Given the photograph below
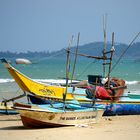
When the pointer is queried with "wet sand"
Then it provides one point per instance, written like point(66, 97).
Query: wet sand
point(109, 128)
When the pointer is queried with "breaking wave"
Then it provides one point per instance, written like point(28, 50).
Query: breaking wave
point(132, 82)
point(59, 81)
point(6, 80)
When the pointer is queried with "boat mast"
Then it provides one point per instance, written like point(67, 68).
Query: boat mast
point(67, 70)
point(104, 50)
point(111, 56)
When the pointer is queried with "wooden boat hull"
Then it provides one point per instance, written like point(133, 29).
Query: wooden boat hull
point(36, 117)
point(44, 119)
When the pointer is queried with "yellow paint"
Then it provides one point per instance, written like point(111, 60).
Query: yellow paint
point(44, 90)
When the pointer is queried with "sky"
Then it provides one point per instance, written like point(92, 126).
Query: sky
point(47, 25)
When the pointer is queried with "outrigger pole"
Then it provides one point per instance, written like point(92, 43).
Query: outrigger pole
point(90, 56)
point(14, 98)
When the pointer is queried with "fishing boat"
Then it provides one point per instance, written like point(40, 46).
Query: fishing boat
point(36, 88)
point(22, 61)
point(50, 115)
point(59, 114)
point(104, 88)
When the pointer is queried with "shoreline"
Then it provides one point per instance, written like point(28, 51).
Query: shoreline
point(114, 127)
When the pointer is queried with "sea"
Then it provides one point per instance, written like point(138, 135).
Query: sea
point(54, 68)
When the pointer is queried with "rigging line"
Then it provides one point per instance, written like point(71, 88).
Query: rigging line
point(125, 51)
point(75, 60)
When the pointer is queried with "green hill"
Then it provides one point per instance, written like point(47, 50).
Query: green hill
point(94, 49)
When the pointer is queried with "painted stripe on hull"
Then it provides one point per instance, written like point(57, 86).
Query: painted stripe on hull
point(8, 112)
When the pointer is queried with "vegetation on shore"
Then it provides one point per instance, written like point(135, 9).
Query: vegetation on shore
point(94, 48)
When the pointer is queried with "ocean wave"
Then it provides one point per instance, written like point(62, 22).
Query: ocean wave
point(132, 82)
point(6, 80)
point(57, 81)
point(60, 81)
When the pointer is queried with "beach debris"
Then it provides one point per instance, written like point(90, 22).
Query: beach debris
point(81, 125)
point(108, 119)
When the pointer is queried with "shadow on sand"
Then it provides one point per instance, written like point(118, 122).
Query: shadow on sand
point(23, 128)
point(13, 128)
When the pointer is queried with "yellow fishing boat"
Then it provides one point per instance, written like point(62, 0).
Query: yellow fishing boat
point(43, 90)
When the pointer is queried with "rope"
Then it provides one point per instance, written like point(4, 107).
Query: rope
point(130, 45)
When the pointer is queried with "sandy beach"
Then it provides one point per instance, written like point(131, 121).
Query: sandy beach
point(115, 127)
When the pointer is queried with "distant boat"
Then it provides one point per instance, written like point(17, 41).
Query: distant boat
point(22, 61)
